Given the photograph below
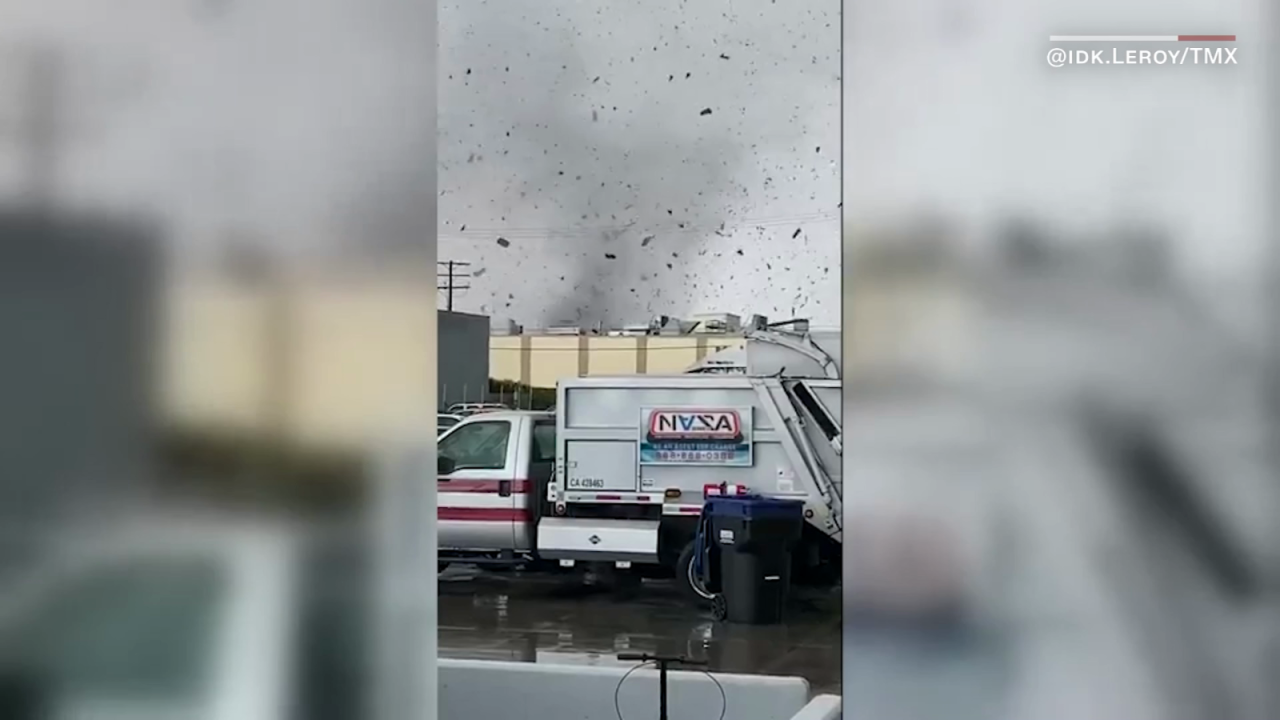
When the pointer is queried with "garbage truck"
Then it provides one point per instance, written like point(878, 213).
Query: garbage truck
point(615, 479)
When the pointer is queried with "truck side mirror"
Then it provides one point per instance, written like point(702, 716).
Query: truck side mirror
point(445, 465)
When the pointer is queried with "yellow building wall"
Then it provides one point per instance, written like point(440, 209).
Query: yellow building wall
point(672, 355)
point(918, 324)
point(364, 355)
point(336, 363)
point(541, 360)
point(553, 357)
point(325, 362)
point(615, 355)
point(212, 359)
point(504, 357)
point(310, 360)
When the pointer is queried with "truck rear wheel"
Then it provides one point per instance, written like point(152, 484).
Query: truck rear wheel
point(686, 579)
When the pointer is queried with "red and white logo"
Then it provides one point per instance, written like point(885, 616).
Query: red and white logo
point(722, 425)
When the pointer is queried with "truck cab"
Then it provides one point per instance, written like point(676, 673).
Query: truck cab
point(493, 470)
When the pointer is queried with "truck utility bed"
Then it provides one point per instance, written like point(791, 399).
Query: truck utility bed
point(669, 439)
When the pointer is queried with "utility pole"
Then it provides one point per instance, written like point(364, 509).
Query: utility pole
point(48, 105)
point(39, 131)
point(449, 277)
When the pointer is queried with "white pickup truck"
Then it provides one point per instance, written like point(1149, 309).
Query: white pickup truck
point(188, 618)
point(617, 476)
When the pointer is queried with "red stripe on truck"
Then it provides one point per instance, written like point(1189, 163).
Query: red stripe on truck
point(621, 498)
point(470, 485)
point(463, 514)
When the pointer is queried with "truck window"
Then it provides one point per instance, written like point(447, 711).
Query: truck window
point(544, 442)
point(478, 446)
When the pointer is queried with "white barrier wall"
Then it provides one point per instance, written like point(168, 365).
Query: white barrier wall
point(475, 689)
point(822, 707)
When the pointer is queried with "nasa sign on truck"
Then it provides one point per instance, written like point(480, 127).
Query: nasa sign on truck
point(695, 436)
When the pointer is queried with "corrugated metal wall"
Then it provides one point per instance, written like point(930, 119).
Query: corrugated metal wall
point(77, 300)
point(463, 365)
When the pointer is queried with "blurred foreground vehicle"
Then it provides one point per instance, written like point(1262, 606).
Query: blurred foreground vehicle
point(1082, 454)
point(209, 619)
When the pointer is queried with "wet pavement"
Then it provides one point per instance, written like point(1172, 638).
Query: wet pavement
point(538, 617)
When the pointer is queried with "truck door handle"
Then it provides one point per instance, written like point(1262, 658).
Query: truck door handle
point(504, 488)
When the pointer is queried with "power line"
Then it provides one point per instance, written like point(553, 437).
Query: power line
point(547, 233)
point(450, 277)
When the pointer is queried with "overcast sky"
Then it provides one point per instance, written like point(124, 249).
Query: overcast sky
point(952, 106)
point(280, 119)
point(606, 163)
point(580, 172)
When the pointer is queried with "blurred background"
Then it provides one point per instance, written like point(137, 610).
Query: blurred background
point(221, 296)
point(1060, 366)
point(210, 212)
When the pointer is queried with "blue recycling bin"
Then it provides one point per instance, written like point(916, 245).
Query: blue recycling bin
point(754, 536)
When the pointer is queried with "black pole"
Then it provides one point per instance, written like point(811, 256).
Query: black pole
point(662, 689)
point(662, 661)
point(448, 301)
point(446, 271)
